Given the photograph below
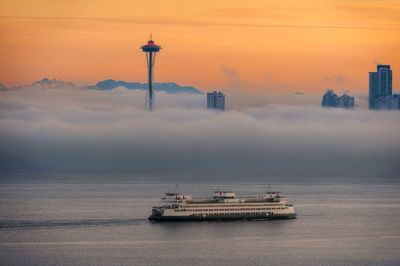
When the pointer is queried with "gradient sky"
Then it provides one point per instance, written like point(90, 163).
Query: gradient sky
point(265, 46)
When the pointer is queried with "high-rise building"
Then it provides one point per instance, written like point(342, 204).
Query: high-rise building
point(380, 88)
point(330, 99)
point(216, 100)
point(345, 101)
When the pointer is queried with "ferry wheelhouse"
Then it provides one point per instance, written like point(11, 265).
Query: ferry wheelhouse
point(224, 205)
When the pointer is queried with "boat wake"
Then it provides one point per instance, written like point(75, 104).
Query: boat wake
point(68, 223)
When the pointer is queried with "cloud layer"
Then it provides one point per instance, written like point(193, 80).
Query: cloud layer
point(69, 130)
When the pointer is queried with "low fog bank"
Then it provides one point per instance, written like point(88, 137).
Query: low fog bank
point(239, 99)
point(79, 131)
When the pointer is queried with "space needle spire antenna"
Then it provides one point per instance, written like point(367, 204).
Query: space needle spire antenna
point(150, 49)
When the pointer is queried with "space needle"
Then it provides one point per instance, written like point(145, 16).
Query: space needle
point(150, 49)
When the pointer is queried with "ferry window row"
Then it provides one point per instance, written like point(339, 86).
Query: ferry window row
point(232, 205)
point(241, 213)
point(214, 210)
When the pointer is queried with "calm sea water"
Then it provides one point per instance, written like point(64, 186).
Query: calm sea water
point(103, 221)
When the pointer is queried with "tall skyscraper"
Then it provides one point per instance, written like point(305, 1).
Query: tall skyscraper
point(216, 100)
point(150, 49)
point(380, 88)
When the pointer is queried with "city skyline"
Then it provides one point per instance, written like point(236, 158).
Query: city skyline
point(387, 99)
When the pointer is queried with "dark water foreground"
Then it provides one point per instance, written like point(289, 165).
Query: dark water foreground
point(102, 221)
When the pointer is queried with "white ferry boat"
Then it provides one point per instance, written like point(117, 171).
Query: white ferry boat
point(224, 205)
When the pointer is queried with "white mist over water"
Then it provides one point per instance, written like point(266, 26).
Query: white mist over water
point(72, 130)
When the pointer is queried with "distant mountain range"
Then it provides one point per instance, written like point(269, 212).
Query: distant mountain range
point(168, 87)
point(44, 83)
point(2, 87)
point(109, 84)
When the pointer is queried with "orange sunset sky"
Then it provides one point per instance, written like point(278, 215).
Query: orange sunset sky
point(264, 46)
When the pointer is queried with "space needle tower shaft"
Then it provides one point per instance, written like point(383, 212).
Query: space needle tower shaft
point(150, 49)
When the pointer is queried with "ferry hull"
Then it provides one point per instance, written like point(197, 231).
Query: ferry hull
point(222, 217)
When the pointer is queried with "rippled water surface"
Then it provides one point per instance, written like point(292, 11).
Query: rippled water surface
point(103, 221)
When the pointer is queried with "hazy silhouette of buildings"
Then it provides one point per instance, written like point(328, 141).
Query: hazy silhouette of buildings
point(346, 101)
point(330, 99)
point(216, 101)
point(380, 88)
